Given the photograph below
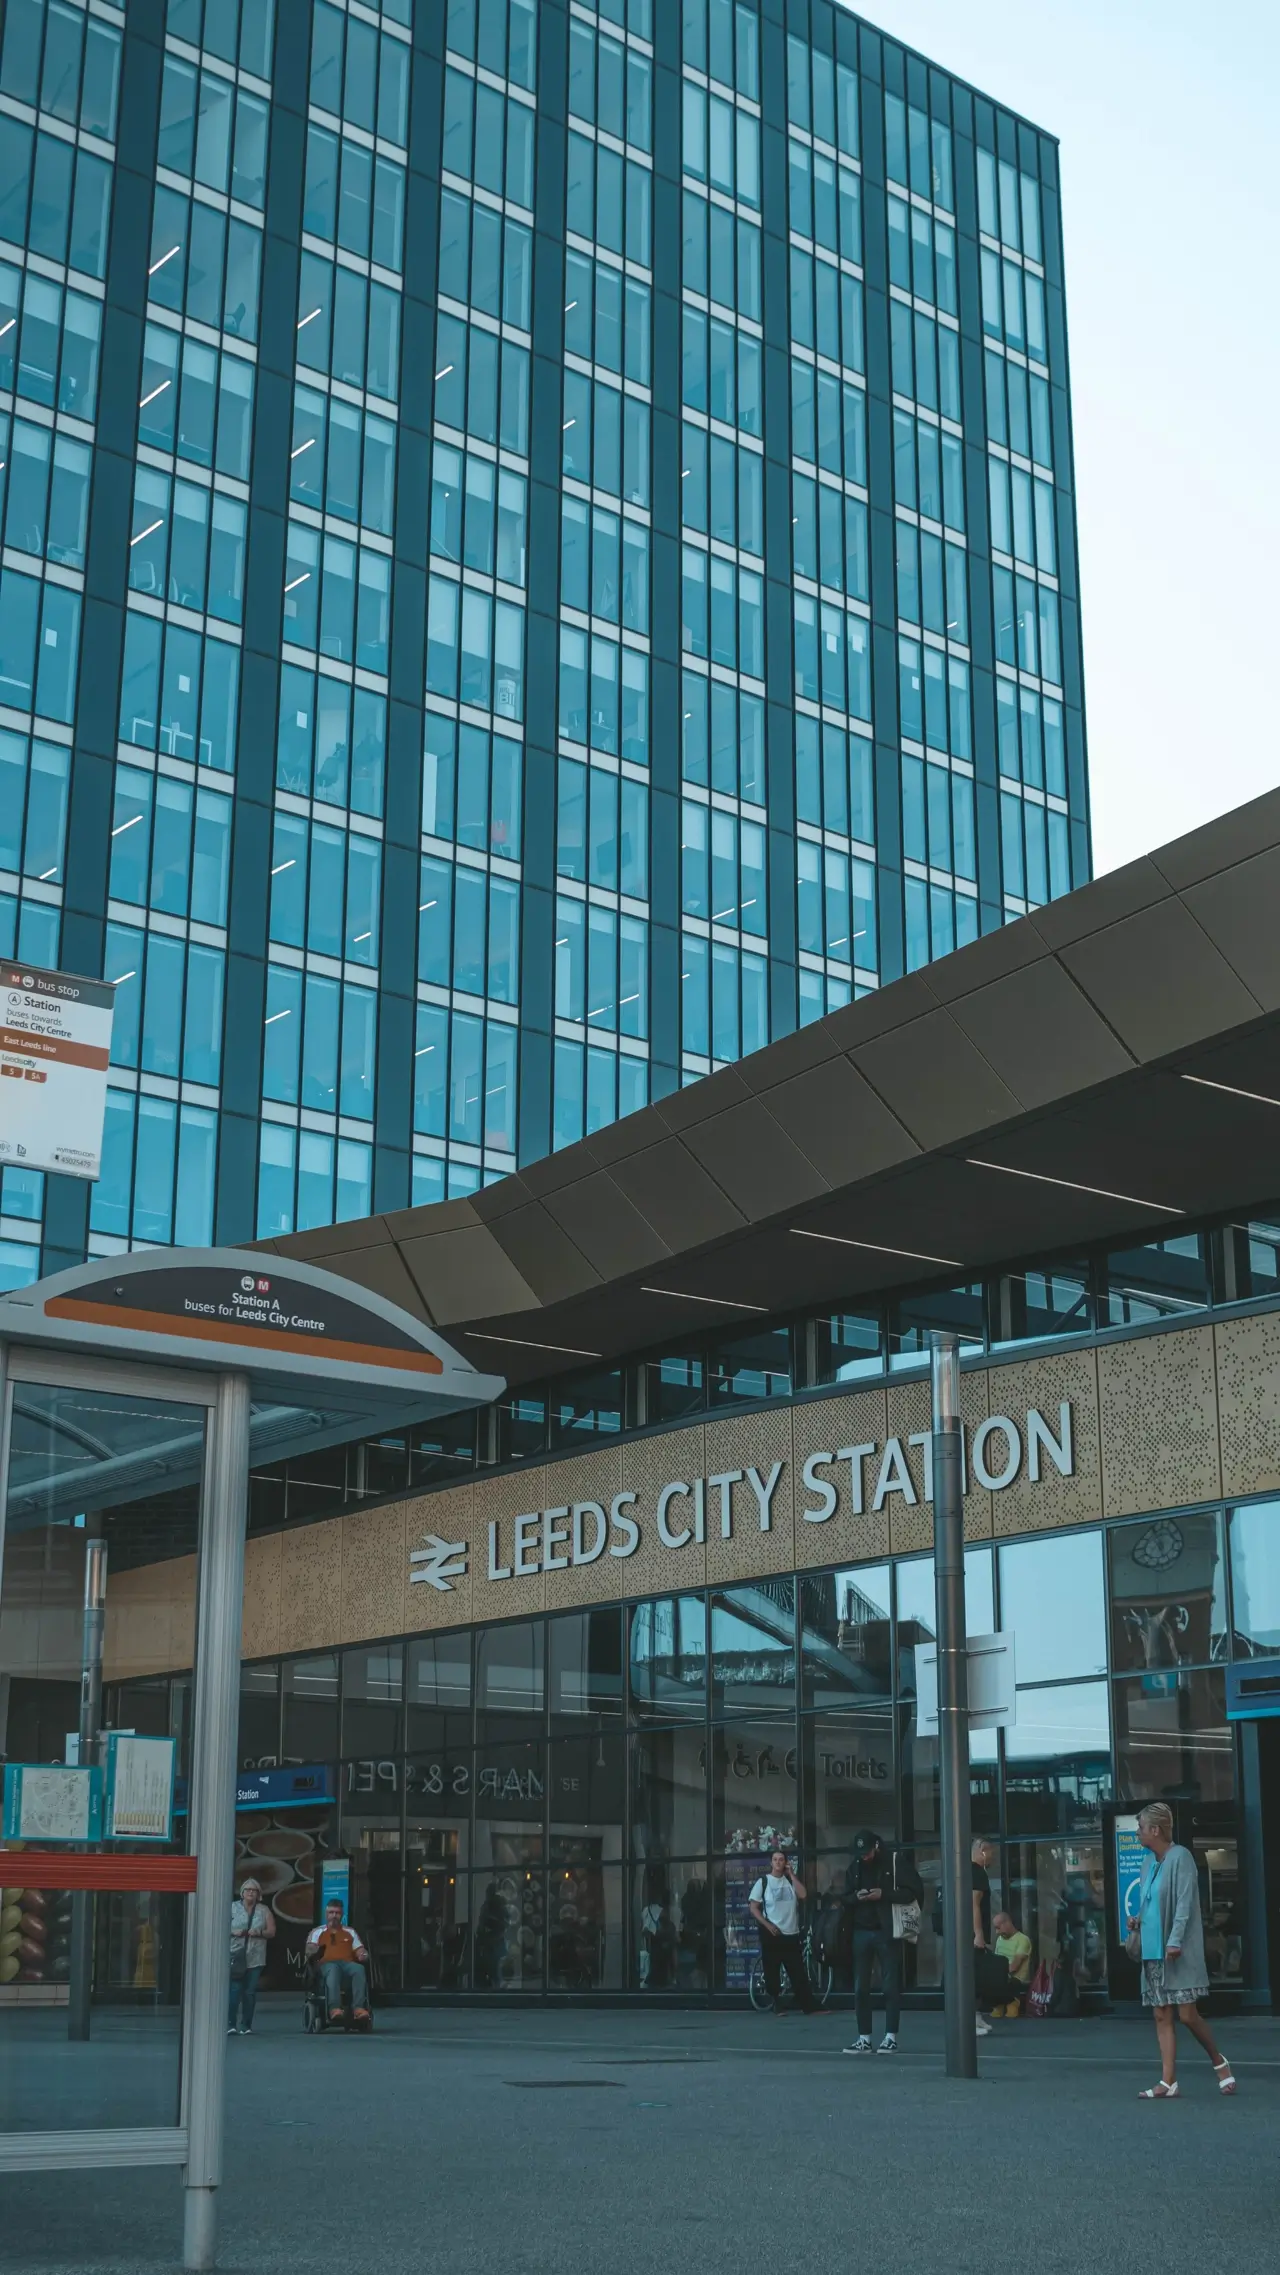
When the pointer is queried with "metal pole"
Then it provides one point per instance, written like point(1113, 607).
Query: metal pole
point(953, 1711)
point(83, 1902)
point(213, 1809)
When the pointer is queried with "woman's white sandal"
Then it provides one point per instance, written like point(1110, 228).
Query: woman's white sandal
point(1161, 2092)
point(1226, 2084)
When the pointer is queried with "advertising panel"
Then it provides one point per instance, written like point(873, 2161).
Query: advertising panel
point(1130, 1857)
point(55, 1046)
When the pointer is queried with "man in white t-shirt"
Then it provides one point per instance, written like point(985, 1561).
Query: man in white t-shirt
point(775, 1904)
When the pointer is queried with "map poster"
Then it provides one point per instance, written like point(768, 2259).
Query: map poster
point(140, 1777)
point(46, 1803)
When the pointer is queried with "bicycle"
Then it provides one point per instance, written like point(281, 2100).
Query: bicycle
point(817, 1967)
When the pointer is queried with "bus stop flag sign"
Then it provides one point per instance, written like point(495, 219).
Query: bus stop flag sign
point(55, 1046)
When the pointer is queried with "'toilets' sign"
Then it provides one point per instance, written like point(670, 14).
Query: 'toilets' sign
point(581, 1532)
point(55, 1047)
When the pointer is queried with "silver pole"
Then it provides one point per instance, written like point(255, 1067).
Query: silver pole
point(213, 1811)
point(953, 1711)
point(83, 1902)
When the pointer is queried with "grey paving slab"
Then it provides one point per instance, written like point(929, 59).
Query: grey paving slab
point(522, 2143)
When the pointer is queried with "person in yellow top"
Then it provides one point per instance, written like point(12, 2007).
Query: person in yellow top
point(339, 1952)
point(1013, 1945)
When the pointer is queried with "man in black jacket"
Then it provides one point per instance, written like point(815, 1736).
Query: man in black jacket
point(878, 1881)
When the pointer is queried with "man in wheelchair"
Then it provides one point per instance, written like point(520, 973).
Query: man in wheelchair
point(337, 1950)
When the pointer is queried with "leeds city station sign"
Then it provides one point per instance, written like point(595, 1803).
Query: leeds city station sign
point(999, 1451)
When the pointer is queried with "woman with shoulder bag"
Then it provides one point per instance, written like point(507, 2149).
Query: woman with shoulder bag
point(1167, 1942)
point(252, 1927)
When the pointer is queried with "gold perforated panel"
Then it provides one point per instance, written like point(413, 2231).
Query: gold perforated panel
point(1158, 1411)
point(150, 1619)
point(1248, 1355)
point(260, 1627)
point(517, 1493)
point(311, 1587)
point(374, 1572)
point(583, 1477)
point(1044, 1384)
point(824, 1425)
point(647, 1465)
point(449, 1516)
point(910, 1524)
point(976, 1402)
point(750, 1441)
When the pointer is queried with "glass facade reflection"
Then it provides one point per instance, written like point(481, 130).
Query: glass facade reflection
point(578, 1802)
point(402, 719)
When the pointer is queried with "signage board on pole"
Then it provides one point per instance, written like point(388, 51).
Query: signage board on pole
point(45, 1803)
point(55, 1047)
point(140, 1781)
point(992, 1680)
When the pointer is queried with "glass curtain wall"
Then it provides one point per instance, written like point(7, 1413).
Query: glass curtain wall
point(582, 1801)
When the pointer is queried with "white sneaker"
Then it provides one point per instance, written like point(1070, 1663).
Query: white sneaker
point(983, 2028)
point(888, 2044)
point(231, 2030)
point(863, 2047)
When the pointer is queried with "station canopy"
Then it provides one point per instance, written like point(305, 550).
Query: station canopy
point(1105, 1068)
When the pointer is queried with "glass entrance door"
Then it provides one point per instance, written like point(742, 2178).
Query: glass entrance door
point(100, 1550)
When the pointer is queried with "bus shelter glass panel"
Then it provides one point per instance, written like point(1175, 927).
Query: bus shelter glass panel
point(103, 1498)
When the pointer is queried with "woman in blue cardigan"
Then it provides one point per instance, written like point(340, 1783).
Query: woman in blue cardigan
point(1167, 1938)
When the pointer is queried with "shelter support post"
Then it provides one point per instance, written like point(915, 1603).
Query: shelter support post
point(212, 1822)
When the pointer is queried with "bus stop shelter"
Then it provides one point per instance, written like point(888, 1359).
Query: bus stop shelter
point(136, 1393)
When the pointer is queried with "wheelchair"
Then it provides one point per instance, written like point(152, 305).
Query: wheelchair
point(315, 2003)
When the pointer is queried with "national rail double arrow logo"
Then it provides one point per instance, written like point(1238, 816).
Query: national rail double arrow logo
point(438, 1562)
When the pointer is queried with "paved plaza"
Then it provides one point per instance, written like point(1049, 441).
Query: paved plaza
point(521, 2143)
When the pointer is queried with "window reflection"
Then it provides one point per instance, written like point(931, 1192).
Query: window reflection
point(753, 1648)
point(751, 1366)
point(755, 1791)
point(585, 1406)
point(1055, 1891)
point(509, 1909)
point(1168, 1596)
point(1173, 1741)
point(310, 1732)
point(585, 1664)
point(437, 1676)
point(671, 1927)
point(522, 1426)
point(1051, 1599)
point(1053, 1299)
point(917, 1606)
point(1251, 1259)
point(372, 1680)
point(509, 1667)
point(674, 1387)
point(669, 1657)
point(1058, 1759)
point(845, 1634)
point(844, 1345)
point(668, 1792)
point(1255, 1579)
point(1159, 1280)
point(258, 1741)
point(912, 1319)
point(848, 1778)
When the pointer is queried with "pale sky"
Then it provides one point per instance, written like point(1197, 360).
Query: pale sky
point(1166, 116)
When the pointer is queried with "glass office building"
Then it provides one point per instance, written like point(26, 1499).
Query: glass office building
point(539, 555)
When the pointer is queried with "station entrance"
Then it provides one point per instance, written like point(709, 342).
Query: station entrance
point(135, 1392)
